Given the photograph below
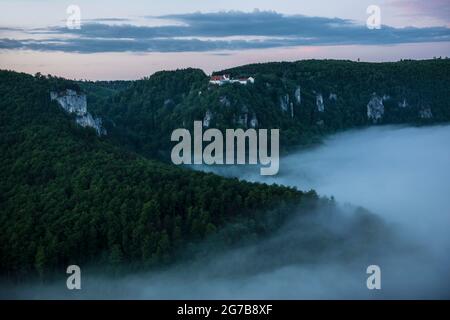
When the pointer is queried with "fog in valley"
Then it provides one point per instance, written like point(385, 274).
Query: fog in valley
point(400, 174)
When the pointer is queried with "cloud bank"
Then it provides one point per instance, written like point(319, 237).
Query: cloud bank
point(437, 8)
point(231, 30)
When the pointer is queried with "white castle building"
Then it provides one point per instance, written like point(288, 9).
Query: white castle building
point(225, 78)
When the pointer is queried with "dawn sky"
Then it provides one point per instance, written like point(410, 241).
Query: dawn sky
point(132, 39)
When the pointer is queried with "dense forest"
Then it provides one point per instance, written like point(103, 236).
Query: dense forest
point(305, 100)
point(68, 196)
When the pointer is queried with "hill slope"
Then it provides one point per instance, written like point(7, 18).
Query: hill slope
point(305, 99)
point(68, 196)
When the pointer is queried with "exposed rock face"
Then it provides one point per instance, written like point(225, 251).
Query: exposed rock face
point(375, 108)
point(425, 113)
point(319, 103)
point(224, 101)
point(284, 103)
point(75, 103)
point(254, 121)
point(89, 121)
point(242, 119)
point(298, 95)
point(70, 101)
point(169, 103)
point(403, 104)
point(207, 119)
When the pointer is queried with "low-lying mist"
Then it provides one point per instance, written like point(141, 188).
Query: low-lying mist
point(400, 174)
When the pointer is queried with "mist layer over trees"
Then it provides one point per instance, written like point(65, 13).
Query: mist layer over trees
point(400, 174)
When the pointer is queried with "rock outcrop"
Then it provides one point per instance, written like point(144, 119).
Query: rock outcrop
point(298, 95)
point(403, 104)
point(284, 103)
point(319, 103)
point(425, 113)
point(375, 108)
point(242, 120)
point(76, 104)
point(224, 101)
point(207, 119)
point(254, 121)
point(168, 103)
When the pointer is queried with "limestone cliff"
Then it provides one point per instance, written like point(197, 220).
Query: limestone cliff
point(375, 108)
point(76, 104)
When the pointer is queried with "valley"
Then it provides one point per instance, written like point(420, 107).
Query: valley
point(361, 181)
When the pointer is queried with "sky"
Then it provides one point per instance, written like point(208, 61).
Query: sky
point(133, 39)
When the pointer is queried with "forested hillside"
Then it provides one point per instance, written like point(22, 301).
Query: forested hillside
point(68, 196)
point(305, 99)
